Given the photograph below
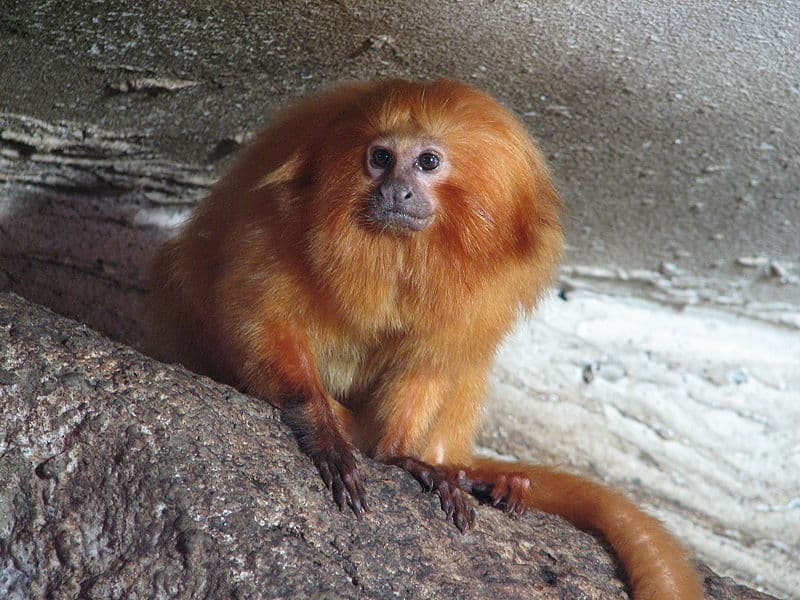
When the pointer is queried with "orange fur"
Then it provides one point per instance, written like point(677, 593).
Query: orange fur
point(381, 340)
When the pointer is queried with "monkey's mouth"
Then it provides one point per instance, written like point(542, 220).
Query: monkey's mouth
point(394, 219)
point(402, 220)
point(407, 215)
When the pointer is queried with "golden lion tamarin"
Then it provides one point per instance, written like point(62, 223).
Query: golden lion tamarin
point(358, 267)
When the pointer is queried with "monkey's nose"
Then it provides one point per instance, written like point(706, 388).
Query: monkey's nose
point(397, 194)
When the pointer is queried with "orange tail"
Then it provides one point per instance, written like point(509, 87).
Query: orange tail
point(657, 565)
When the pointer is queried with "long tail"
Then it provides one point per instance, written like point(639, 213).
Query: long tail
point(657, 565)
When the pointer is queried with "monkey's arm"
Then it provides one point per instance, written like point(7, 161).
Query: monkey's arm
point(426, 418)
point(285, 374)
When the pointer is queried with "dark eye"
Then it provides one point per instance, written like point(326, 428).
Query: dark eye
point(427, 161)
point(380, 158)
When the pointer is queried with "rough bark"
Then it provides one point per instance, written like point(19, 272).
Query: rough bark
point(121, 477)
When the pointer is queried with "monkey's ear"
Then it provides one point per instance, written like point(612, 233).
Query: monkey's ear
point(284, 174)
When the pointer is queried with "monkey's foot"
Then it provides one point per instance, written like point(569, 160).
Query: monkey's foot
point(337, 465)
point(447, 485)
point(506, 491)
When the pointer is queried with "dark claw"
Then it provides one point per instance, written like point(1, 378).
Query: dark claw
point(462, 522)
point(325, 471)
point(358, 509)
point(427, 480)
point(446, 500)
point(356, 495)
point(338, 493)
point(464, 516)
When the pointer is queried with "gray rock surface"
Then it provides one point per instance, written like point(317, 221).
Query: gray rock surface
point(81, 211)
point(121, 477)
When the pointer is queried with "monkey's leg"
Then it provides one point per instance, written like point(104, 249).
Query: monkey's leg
point(438, 421)
point(285, 374)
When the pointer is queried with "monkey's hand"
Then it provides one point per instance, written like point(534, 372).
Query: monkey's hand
point(337, 465)
point(321, 440)
point(446, 482)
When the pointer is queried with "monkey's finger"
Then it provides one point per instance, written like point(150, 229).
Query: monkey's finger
point(511, 509)
point(500, 491)
point(465, 513)
point(516, 494)
point(471, 515)
point(462, 522)
point(355, 493)
point(515, 506)
point(357, 506)
point(339, 494)
point(325, 472)
point(456, 505)
point(362, 494)
point(426, 479)
point(464, 516)
point(446, 499)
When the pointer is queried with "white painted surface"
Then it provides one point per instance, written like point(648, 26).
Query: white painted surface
point(695, 411)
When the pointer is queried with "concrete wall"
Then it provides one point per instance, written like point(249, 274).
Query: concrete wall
point(672, 127)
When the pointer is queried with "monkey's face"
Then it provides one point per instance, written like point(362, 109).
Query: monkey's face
point(405, 194)
point(403, 174)
point(430, 179)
